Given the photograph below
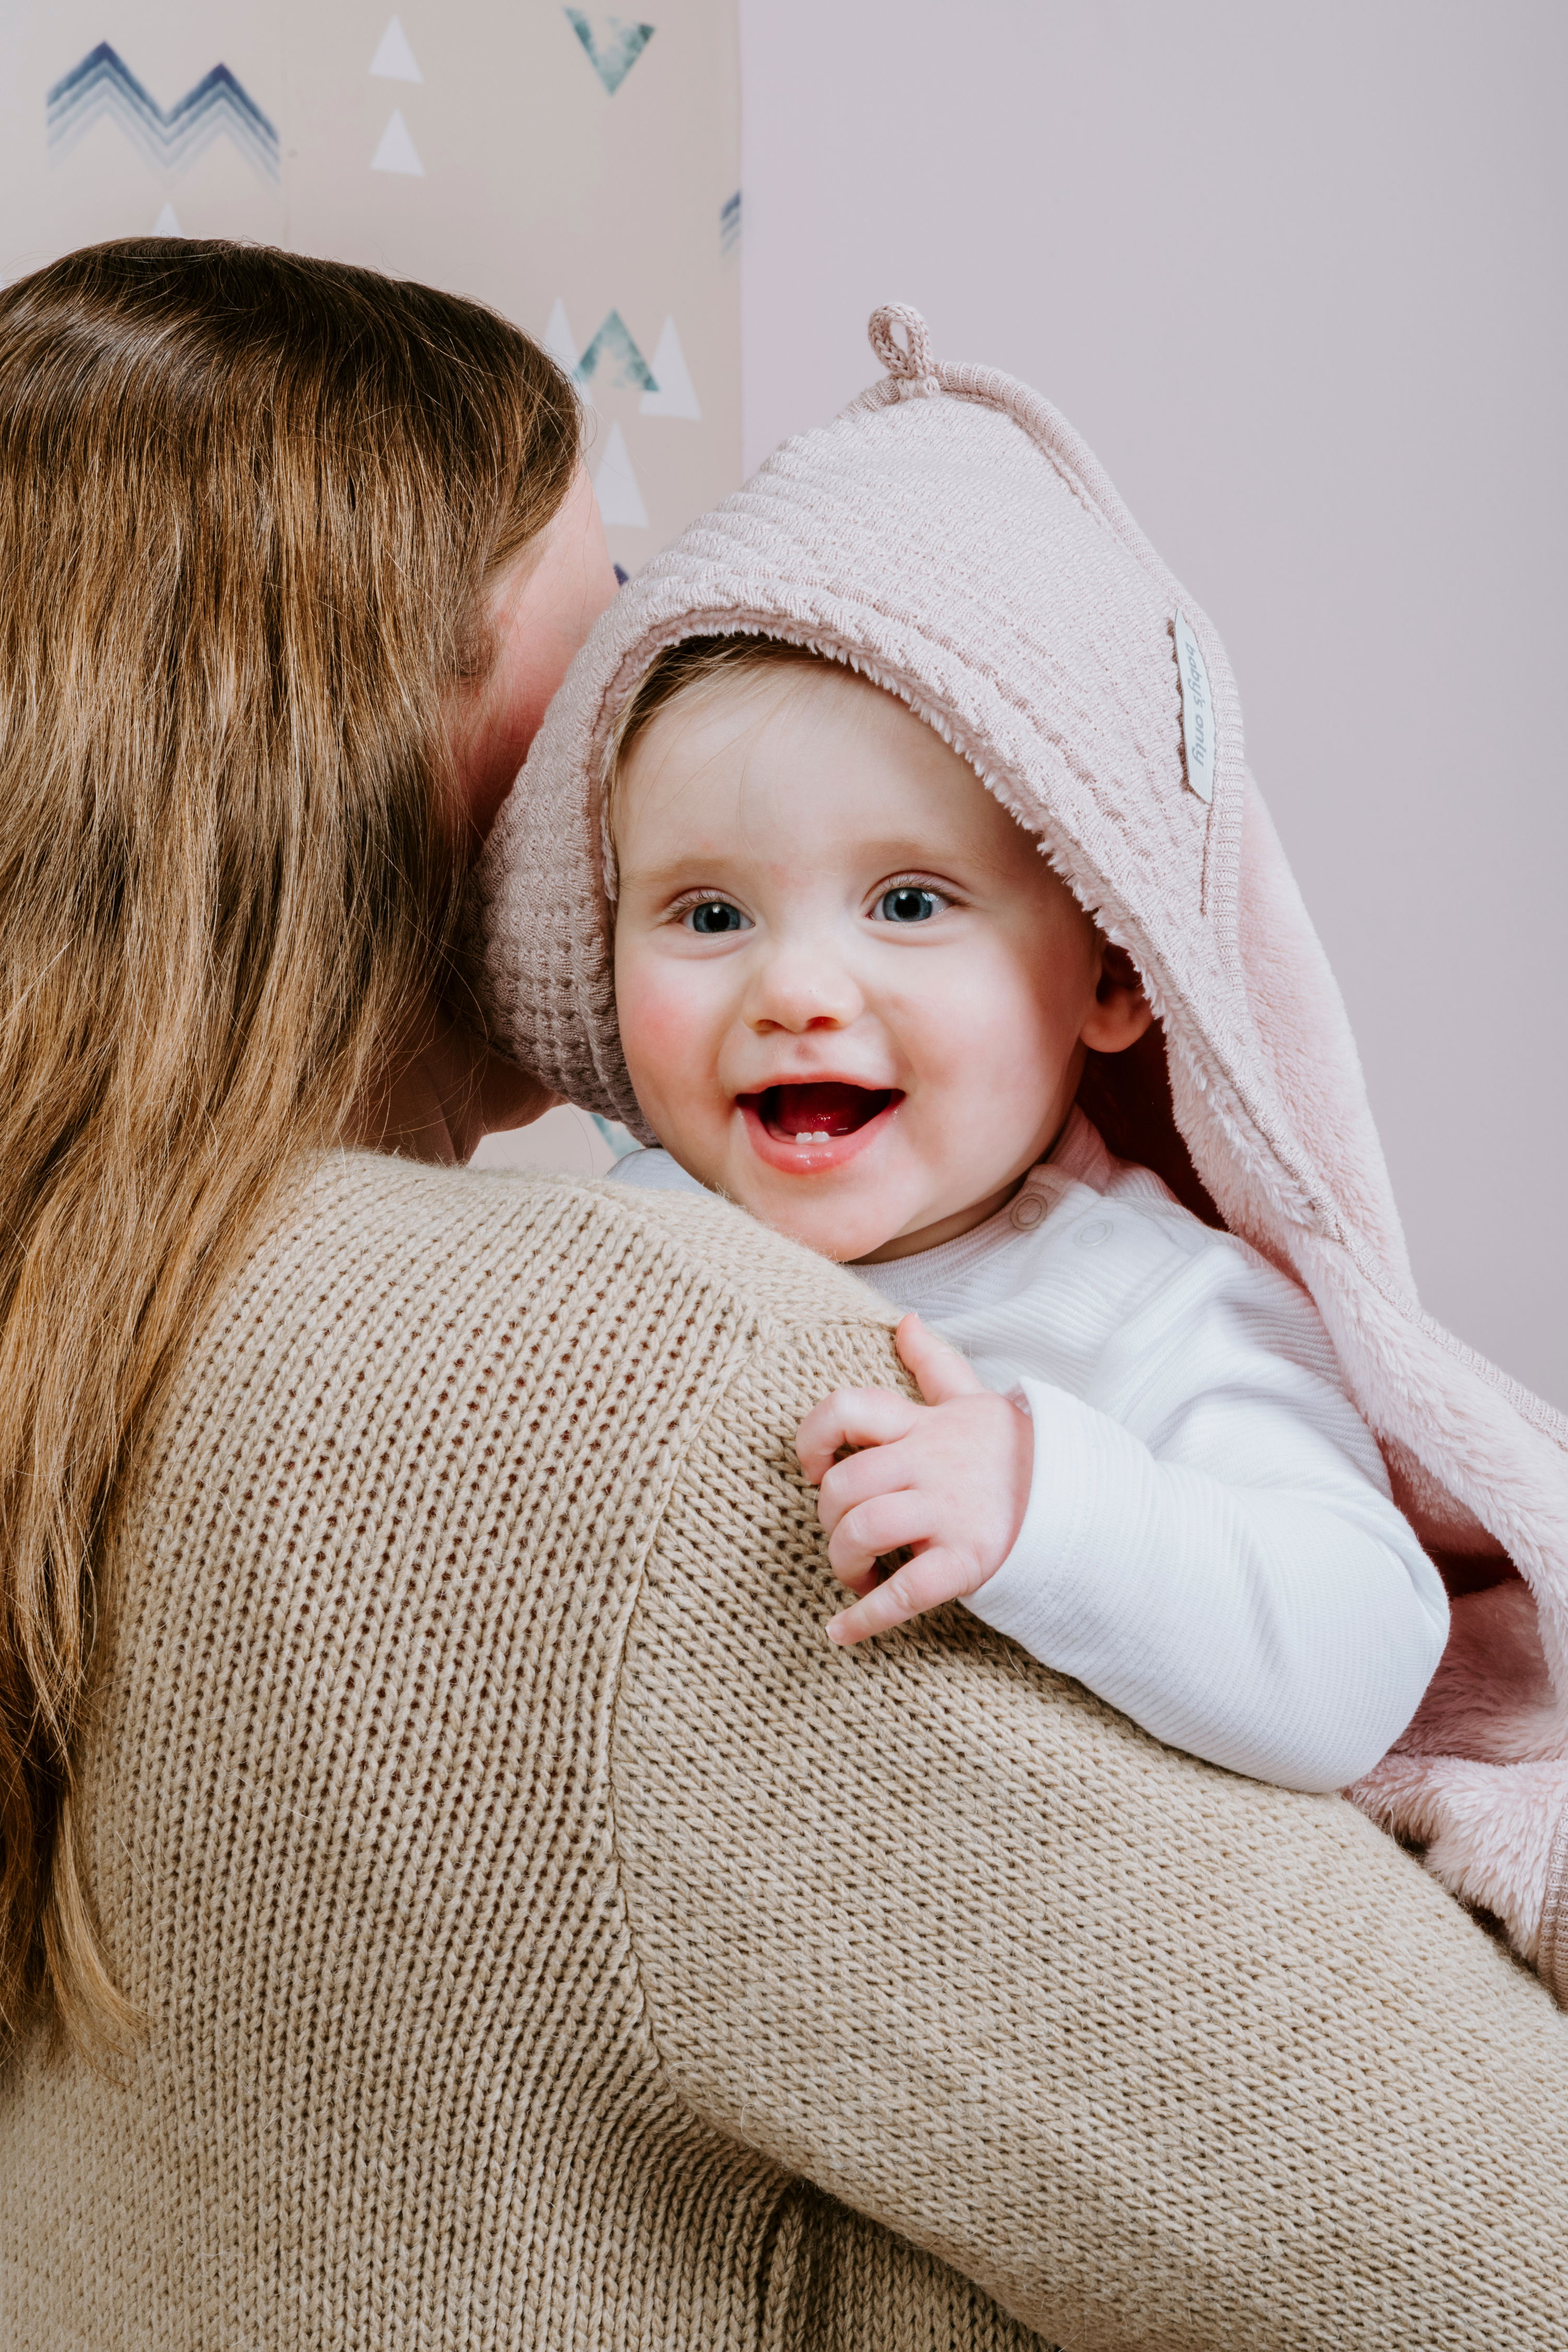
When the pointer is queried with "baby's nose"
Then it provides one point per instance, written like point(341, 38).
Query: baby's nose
point(800, 988)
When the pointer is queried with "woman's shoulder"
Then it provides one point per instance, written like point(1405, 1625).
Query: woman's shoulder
point(377, 1257)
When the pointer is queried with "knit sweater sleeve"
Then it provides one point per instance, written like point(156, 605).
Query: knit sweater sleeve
point(1136, 2045)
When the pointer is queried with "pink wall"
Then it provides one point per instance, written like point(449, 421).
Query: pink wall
point(1298, 275)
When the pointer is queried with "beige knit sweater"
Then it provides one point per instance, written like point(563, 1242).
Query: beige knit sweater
point(547, 1941)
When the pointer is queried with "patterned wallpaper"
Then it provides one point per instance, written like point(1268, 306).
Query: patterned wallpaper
point(578, 170)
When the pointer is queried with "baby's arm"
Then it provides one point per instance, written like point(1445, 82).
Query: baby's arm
point(1229, 1570)
point(947, 1480)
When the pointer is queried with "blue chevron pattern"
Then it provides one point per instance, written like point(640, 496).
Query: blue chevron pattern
point(104, 84)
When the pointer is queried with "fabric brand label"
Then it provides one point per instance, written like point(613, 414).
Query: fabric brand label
point(1197, 710)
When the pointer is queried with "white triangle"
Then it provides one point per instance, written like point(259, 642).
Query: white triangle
point(393, 59)
point(561, 344)
point(168, 223)
point(677, 395)
point(619, 499)
point(397, 151)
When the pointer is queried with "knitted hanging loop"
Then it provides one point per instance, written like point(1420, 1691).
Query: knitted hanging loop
point(909, 363)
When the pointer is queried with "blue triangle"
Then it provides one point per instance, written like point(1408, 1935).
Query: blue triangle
point(613, 343)
point(614, 47)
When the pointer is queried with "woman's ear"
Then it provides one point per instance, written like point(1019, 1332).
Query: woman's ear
point(1122, 1012)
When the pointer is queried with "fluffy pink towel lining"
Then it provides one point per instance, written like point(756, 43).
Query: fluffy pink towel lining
point(950, 537)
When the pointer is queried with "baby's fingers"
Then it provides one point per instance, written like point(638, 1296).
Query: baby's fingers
point(882, 1524)
point(922, 1583)
point(852, 1417)
point(855, 1478)
point(938, 1367)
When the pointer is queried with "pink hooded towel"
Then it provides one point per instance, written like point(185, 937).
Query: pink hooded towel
point(949, 537)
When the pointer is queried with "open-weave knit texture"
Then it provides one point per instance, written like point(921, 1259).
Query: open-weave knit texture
point(950, 537)
point(548, 1942)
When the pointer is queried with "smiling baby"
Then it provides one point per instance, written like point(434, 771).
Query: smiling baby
point(890, 864)
point(854, 997)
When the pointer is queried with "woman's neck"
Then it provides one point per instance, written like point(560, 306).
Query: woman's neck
point(439, 1105)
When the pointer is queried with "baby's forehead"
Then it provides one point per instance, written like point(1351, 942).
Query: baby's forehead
point(801, 754)
point(797, 707)
point(778, 683)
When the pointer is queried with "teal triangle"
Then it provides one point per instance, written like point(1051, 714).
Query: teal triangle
point(614, 345)
point(614, 47)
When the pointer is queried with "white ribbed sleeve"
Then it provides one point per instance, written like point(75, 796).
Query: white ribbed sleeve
point(1210, 1543)
point(1286, 1628)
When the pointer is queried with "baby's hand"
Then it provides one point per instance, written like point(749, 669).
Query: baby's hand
point(948, 1478)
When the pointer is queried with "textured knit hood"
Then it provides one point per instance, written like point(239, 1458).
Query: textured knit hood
point(951, 538)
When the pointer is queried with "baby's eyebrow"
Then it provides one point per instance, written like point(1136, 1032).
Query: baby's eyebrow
point(731, 862)
point(685, 868)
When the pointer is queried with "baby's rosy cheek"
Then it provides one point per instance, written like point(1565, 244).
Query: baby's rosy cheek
point(664, 1028)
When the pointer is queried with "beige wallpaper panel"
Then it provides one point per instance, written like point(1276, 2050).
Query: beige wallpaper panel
point(578, 170)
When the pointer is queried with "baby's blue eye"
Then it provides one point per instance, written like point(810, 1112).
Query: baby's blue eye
point(714, 916)
point(906, 902)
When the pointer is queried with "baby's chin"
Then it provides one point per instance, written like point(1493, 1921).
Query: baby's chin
point(825, 1238)
point(839, 1221)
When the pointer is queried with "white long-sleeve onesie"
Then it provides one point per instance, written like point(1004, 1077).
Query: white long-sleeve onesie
point(1211, 1542)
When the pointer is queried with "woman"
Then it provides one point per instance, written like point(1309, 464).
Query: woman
point(453, 1894)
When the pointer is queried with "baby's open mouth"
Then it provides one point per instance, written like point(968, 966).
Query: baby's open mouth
point(819, 1113)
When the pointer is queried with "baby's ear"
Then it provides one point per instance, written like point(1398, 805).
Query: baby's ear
point(1122, 1012)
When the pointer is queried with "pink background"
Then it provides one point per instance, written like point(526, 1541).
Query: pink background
point(1296, 274)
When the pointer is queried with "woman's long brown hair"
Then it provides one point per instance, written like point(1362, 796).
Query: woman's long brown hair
point(250, 505)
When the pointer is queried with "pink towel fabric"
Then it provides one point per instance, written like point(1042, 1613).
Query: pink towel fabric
point(951, 538)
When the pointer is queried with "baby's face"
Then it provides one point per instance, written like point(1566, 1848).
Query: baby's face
point(851, 993)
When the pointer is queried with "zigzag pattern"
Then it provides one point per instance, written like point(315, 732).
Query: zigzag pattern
point(104, 84)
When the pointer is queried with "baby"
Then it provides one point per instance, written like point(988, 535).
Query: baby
point(853, 996)
point(813, 878)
